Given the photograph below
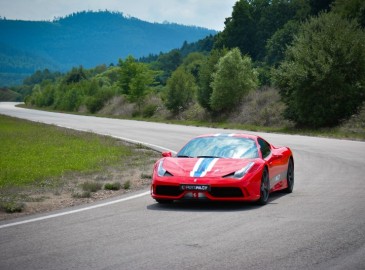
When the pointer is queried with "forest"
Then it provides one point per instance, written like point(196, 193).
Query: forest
point(84, 38)
point(276, 63)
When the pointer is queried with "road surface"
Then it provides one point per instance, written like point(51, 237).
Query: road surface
point(321, 225)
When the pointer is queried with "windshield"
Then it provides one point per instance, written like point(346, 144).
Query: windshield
point(221, 147)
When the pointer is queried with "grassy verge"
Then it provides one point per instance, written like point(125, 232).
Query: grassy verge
point(41, 157)
point(32, 153)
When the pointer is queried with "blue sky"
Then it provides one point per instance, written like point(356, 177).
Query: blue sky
point(205, 13)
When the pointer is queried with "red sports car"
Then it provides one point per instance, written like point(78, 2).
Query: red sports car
point(223, 167)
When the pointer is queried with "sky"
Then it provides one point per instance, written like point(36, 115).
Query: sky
point(210, 14)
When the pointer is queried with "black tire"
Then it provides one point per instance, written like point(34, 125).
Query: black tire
point(290, 177)
point(161, 201)
point(264, 188)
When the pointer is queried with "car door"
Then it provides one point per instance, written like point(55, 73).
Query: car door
point(274, 162)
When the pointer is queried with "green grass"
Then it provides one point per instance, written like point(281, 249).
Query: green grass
point(38, 154)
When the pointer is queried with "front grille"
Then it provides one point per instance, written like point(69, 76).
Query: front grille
point(168, 190)
point(226, 192)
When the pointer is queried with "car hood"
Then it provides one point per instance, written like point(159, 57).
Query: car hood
point(203, 167)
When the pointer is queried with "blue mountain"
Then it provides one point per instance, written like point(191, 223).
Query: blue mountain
point(85, 38)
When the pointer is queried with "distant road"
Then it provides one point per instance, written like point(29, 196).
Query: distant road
point(321, 225)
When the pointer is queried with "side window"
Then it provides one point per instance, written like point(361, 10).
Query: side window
point(264, 148)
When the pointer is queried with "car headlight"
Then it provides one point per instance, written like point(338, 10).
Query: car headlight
point(161, 170)
point(241, 173)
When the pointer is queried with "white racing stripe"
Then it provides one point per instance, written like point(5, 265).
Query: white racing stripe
point(75, 211)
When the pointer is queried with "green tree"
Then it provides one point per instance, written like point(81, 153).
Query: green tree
point(322, 79)
point(75, 75)
point(351, 9)
point(141, 84)
point(168, 62)
point(233, 79)
point(192, 64)
point(136, 79)
point(276, 46)
point(180, 91)
point(127, 71)
point(253, 22)
point(206, 71)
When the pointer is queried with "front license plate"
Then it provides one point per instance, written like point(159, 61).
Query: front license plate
point(195, 187)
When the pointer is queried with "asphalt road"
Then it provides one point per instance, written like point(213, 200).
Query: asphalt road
point(321, 225)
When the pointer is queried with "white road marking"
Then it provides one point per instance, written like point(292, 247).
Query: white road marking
point(75, 211)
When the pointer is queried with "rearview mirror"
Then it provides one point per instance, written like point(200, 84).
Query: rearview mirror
point(167, 154)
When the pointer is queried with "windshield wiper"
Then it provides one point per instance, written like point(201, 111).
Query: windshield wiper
point(208, 157)
point(182, 156)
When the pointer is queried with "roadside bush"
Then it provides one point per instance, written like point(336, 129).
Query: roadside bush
point(195, 112)
point(112, 186)
point(84, 194)
point(91, 186)
point(127, 185)
point(118, 106)
point(356, 124)
point(262, 108)
point(11, 204)
point(96, 102)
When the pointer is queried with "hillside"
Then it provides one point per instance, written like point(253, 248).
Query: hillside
point(85, 38)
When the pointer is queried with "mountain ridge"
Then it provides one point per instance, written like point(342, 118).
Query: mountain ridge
point(86, 38)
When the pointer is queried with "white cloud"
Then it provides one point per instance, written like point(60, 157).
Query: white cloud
point(205, 13)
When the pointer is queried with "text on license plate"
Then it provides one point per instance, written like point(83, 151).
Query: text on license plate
point(195, 187)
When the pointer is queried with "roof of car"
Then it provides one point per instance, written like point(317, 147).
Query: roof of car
point(242, 135)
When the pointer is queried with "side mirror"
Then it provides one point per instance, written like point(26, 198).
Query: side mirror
point(167, 154)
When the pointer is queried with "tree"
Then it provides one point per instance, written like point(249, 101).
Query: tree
point(278, 43)
point(136, 79)
point(75, 75)
point(205, 77)
point(128, 70)
point(192, 64)
point(140, 84)
point(180, 91)
point(168, 62)
point(253, 22)
point(351, 9)
point(233, 79)
point(322, 79)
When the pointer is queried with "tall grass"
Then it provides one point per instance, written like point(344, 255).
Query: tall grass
point(35, 154)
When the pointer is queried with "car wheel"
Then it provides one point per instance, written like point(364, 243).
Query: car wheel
point(164, 201)
point(264, 188)
point(290, 177)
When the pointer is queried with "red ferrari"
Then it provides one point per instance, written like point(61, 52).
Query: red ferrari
point(223, 167)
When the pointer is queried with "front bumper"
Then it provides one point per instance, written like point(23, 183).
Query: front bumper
point(222, 189)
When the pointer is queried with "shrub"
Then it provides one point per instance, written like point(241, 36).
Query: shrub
point(91, 186)
point(12, 206)
point(149, 110)
point(127, 185)
point(261, 108)
point(84, 194)
point(112, 186)
point(146, 176)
